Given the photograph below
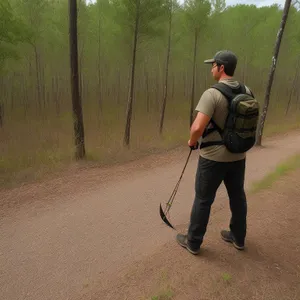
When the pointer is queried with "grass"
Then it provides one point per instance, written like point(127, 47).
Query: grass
point(226, 277)
point(163, 290)
point(291, 164)
point(164, 295)
point(34, 147)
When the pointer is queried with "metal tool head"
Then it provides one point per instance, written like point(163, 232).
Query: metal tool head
point(164, 218)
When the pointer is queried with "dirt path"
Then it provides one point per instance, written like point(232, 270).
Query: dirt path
point(268, 269)
point(69, 237)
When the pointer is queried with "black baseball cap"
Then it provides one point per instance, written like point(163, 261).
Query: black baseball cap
point(224, 57)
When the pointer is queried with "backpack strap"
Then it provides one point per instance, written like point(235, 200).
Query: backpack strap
point(212, 129)
point(229, 93)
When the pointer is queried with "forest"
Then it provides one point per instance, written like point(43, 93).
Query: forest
point(141, 74)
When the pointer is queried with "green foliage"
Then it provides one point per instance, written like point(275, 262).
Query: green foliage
point(10, 31)
point(36, 87)
point(150, 14)
point(196, 12)
point(226, 277)
point(218, 6)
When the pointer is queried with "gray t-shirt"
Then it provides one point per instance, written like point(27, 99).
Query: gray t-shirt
point(213, 104)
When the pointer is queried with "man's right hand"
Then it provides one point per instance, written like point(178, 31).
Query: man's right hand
point(194, 146)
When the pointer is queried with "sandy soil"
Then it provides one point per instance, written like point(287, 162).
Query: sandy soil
point(74, 237)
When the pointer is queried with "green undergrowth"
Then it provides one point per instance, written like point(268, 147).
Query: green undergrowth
point(35, 148)
point(282, 169)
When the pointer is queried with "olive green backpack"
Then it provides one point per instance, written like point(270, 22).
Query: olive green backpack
point(239, 132)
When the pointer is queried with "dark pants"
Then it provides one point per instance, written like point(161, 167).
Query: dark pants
point(210, 175)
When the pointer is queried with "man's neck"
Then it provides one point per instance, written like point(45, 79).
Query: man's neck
point(224, 77)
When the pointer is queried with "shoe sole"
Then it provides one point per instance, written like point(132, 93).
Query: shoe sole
point(188, 249)
point(232, 242)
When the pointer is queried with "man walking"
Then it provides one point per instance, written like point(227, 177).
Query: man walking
point(216, 163)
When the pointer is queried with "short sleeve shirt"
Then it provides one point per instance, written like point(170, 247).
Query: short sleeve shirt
point(213, 104)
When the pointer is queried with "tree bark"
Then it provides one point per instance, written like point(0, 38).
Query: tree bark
point(99, 67)
point(272, 72)
point(1, 102)
point(130, 98)
point(167, 71)
point(38, 78)
point(147, 88)
point(76, 100)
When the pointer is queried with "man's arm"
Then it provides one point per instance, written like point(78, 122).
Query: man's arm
point(198, 128)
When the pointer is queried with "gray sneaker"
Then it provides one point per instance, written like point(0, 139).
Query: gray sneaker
point(227, 236)
point(182, 241)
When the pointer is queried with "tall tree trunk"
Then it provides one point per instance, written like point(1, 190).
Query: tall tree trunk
point(119, 87)
point(42, 82)
point(25, 95)
point(272, 72)
point(1, 114)
point(131, 92)
point(173, 87)
point(167, 70)
point(13, 91)
point(194, 76)
point(293, 86)
point(99, 67)
point(55, 94)
point(38, 78)
point(1, 102)
point(186, 87)
point(157, 86)
point(147, 88)
point(76, 100)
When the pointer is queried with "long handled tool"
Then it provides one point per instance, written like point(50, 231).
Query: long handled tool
point(163, 213)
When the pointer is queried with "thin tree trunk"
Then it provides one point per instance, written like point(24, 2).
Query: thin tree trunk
point(130, 98)
point(147, 88)
point(2, 96)
point(99, 67)
point(119, 87)
point(272, 72)
point(12, 104)
point(194, 77)
point(38, 80)
point(167, 70)
point(25, 95)
point(42, 82)
point(55, 94)
point(1, 104)
point(173, 87)
point(1, 114)
point(157, 86)
point(76, 100)
point(186, 84)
